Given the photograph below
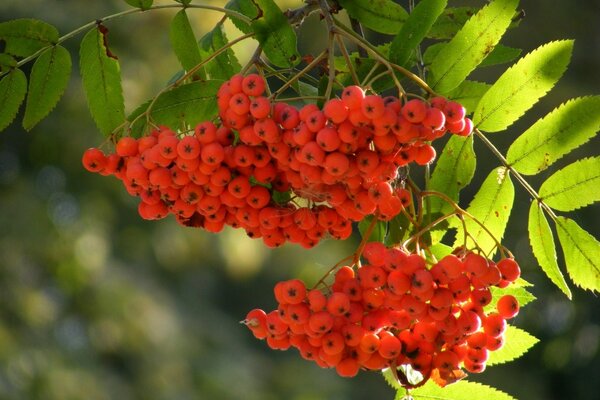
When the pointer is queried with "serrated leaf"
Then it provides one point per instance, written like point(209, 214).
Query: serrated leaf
point(416, 26)
point(383, 16)
point(580, 251)
point(390, 379)
point(225, 65)
point(522, 85)
point(23, 37)
point(544, 249)
point(454, 169)
point(244, 7)
point(191, 103)
point(450, 22)
point(48, 81)
point(491, 206)
point(516, 343)
point(469, 93)
point(500, 55)
point(379, 230)
point(13, 88)
point(101, 75)
point(475, 40)
point(184, 43)
point(461, 390)
point(520, 292)
point(275, 34)
point(574, 186)
point(562, 130)
point(143, 4)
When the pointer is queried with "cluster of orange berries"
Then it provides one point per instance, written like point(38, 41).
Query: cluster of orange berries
point(249, 169)
point(395, 311)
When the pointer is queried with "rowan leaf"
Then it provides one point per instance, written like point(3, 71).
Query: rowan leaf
point(521, 293)
point(491, 207)
point(143, 4)
point(574, 186)
point(562, 130)
point(47, 83)
point(223, 66)
point(516, 343)
point(244, 7)
point(184, 43)
point(450, 22)
point(469, 93)
point(473, 42)
point(580, 251)
point(416, 26)
point(101, 75)
point(500, 55)
point(383, 16)
point(13, 87)
point(461, 390)
point(23, 37)
point(522, 85)
point(544, 248)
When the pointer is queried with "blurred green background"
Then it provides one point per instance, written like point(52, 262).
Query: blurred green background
point(97, 304)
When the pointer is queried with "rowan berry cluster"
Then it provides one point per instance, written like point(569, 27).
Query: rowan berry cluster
point(395, 311)
point(280, 173)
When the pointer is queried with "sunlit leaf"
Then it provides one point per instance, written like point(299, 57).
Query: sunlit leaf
point(544, 248)
point(491, 206)
point(184, 42)
point(575, 186)
point(23, 37)
point(225, 65)
point(384, 16)
point(461, 390)
point(143, 4)
point(522, 85)
point(521, 293)
point(101, 75)
point(450, 22)
point(49, 77)
point(581, 252)
point(414, 29)
point(564, 129)
point(469, 93)
point(516, 343)
point(475, 40)
point(13, 88)
point(500, 55)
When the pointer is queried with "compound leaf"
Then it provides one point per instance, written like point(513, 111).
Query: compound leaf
point(473, 42)
point(101, 75)
point(383, 16)
point(516, 343)
point(522, 85)
point(564, 129)
point(13, 88)
point(48, 81)
point(581, 251)
point(25, 36)
point(544, 249)
point(574, 186)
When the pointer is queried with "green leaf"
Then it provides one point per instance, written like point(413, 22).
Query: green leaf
point(471, 45)
point(244, 7)
point(558, 133)
point(7, 62)
point(184, 2)
point(469, 93)
point(398, 230)
point(522, 85)
point(491, 206)
point(378, 233)
point(581, 251)
point(521, 294)
point(101, 75)
point(544, 249)
point(192, 103)
point(500, 55)
point(13, 88)
point(574, 186)
point(454, 169)
point(275, 34)
point(225, 65)
point(184, 43)
point(23, 37)
point(415, 28)
point(516, 343)
point(450, 22)
point(48, 81)
point(461, 390)
point(383, 16)
point(143, 4)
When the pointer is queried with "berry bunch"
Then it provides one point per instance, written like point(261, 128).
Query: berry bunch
point(395, 311)
point(250, 169)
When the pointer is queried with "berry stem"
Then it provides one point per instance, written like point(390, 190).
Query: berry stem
point(300, 74)
point(344, 52)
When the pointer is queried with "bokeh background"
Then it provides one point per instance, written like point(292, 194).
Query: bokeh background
point(97, 304)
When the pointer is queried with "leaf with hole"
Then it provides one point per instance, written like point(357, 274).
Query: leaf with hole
point(48, 81)
point(522, 85)
point(473, 42)
point(13, 88)
point(544, 249)
point(564, 129)
point(580, 251)
point(383, 16)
